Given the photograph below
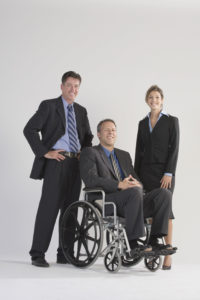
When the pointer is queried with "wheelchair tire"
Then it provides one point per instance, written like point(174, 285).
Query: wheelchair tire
point(131, 262)
point(153, 263)
point(112, 260)
point(81, 234)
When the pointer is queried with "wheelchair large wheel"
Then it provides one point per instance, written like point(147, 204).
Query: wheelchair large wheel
point(153, 263)
point(112, 260)
point(81, 234)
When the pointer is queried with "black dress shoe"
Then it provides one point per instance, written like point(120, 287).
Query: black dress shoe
point(62, 260)
point(40, 262)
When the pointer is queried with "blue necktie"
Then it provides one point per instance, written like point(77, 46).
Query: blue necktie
point(72, 130)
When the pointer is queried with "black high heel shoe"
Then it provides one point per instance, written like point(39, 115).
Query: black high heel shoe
point(166, 267)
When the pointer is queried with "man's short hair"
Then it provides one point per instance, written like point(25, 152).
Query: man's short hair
point(70, 74)
point(103, 121)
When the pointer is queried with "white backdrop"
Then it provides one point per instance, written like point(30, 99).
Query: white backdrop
point(120, 48)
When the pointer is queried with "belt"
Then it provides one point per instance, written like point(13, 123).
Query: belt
point(70, 154)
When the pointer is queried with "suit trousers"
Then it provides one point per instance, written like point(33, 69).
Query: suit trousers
point(129, 205)
point(61, 187)
point(134, 207)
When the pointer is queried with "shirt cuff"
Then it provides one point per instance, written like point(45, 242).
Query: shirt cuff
point(168, 174)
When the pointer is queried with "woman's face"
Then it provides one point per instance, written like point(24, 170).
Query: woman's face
point(155, 101)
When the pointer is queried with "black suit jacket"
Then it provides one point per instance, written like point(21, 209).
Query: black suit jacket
point(96, 169)
point(50, 121)
point(161, 146)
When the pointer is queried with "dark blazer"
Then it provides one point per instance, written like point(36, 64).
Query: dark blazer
point(50, 121)
point(159, 146)
point(96, 169)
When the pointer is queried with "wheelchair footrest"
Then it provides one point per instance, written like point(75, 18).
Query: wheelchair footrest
point(164, 251)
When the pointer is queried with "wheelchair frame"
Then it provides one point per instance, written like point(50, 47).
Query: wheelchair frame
point(82, 240)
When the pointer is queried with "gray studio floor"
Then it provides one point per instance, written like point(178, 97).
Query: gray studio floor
point(20, 280)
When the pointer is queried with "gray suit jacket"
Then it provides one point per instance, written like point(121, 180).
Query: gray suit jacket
point(96, 169)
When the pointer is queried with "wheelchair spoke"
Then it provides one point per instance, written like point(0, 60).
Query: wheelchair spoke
point(90, 225)
point(84, 218)
point(153, 263)
point(92, 239)
point(86, 248)
point(75, 239)
point(78, 249)
point(75, 219)
point(110, 263)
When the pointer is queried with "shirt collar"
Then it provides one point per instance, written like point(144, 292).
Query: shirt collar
point(65, 103)
point(107, 152)
point(161, 113)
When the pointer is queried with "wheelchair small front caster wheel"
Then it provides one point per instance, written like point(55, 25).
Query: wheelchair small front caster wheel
point(112, 261)
point(132, 261)
point(153, 263)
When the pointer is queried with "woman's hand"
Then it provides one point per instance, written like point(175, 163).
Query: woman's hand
point(166, 182)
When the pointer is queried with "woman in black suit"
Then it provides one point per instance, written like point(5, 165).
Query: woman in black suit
point(157, 151)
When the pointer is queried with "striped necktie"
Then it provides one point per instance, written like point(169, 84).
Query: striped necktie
point(72, 130)
point(115, 167)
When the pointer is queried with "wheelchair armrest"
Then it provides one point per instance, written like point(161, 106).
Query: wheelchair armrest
point(94, 189)
point(100, 190)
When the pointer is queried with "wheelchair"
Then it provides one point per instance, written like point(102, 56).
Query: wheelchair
point(82, 236)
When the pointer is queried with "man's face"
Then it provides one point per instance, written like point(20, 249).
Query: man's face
point(70, 89)
point(108, 134)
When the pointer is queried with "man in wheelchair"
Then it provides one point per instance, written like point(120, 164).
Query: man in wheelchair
point(111, 169)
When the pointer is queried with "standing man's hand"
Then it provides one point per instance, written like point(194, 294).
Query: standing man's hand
point(54, 154)
point(129, 182)
point(166, 182)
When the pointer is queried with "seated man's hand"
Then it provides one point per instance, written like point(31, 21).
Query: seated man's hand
point(129, 182)
point(54, 154)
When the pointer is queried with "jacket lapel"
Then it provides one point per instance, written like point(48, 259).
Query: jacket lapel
point(105, 160)
point(146, 125)
point(159, 123)
point(61, 111)
point(78, 119)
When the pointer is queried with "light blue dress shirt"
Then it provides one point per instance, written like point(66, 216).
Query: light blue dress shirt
point(151, 129)
point(63, 142)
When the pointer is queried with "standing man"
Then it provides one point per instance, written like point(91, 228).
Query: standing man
point(65, 130)
point(111, 169)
